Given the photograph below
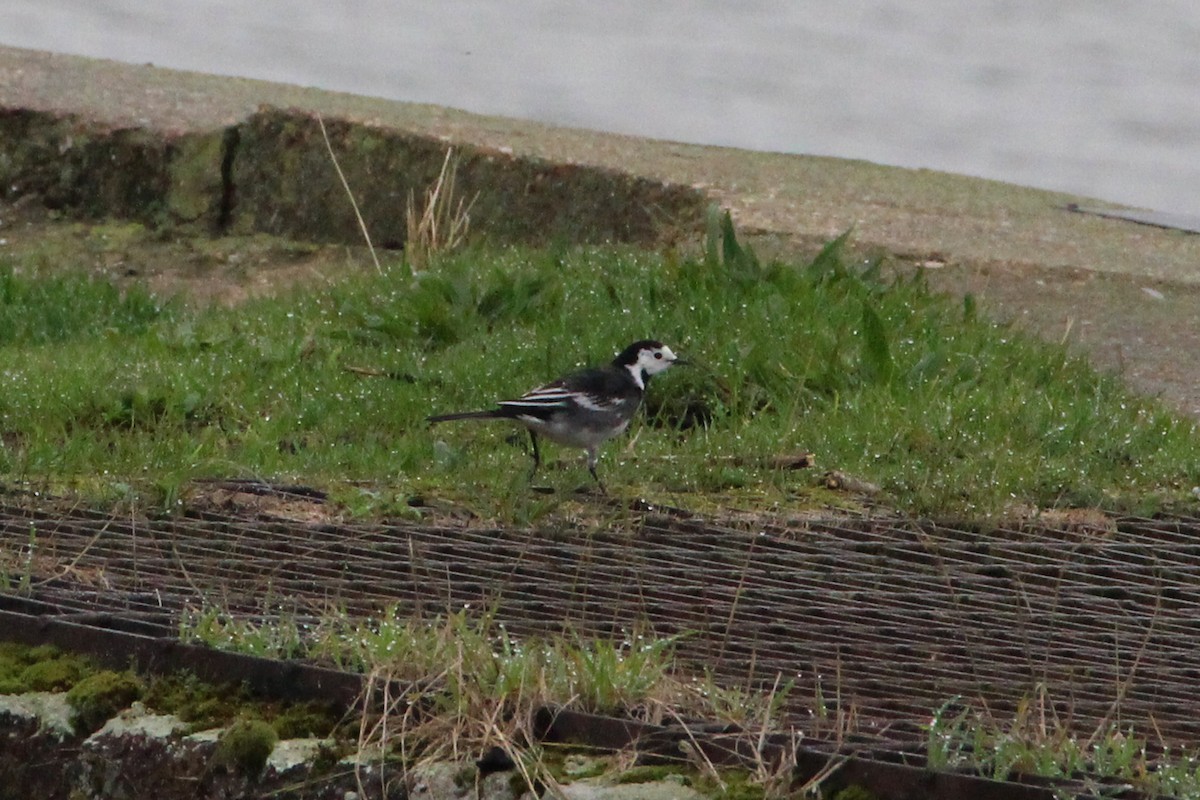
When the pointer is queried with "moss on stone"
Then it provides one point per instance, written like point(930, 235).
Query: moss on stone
point(328, 755)
point(741, 785)
point(736, 784)
point(201, 705)
point(246, 746)
point(579, 766)
point(12, 664)
point(854, 792)
point(43, 652)
point(97, 698)
point(286, 184)
point(652, 772)
point(43, 668)
point(54, 675)
point(206, 705)
point(301, 720)
point(518, 786)
point(196, 185)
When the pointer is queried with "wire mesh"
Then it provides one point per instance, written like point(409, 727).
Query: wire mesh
point(885, 619)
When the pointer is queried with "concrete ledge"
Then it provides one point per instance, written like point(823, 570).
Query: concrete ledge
point(272, 173)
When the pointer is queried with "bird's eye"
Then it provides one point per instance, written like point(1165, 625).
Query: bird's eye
point(658, 354)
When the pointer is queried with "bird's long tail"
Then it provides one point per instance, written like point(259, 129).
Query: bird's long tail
point(461, 415)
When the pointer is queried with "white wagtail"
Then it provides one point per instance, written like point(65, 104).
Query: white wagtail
point(586, 408)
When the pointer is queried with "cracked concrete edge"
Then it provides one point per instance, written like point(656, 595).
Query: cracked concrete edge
point(272, 173)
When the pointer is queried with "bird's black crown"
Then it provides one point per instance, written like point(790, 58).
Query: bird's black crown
point(629, 356)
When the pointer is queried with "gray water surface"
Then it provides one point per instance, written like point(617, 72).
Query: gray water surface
point(1094, 97)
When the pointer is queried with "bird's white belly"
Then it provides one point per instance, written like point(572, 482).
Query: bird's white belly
point(584, 437)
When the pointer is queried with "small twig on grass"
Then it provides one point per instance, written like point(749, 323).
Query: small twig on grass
point(782, 461)
point(835, 762)
point(70, 568)
point(840, 481)
point(372, 372)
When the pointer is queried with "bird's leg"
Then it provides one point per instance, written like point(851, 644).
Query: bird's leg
point(591, 461)
point(537, 457)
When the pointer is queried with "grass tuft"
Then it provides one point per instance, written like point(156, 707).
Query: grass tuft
point(460, 685)
point(63, 308)
point(1036, 741)
point(472, 655)
point(443, 221)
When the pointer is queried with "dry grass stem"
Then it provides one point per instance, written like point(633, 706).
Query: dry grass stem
point(444, 220)
point(362, 225)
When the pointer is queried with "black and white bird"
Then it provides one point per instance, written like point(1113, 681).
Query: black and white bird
point(587, 408)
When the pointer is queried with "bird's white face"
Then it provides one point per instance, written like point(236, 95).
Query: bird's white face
point(655, 359)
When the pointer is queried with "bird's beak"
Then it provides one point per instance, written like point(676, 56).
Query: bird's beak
point(681, 362)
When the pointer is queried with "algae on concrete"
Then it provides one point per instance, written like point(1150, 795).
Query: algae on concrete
point(197, 169)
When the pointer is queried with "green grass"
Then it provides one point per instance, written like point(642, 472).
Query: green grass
point(117, 394)
point(1036, 742)
point(470, 685)
point(463, 659)
point(479, 686)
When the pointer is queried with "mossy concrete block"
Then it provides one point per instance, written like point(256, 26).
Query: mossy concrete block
point(196, 169)
point(285, 183)
point(273, 173)
point(90, 170)
point(83, 167)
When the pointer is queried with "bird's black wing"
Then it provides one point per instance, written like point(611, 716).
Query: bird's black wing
point(593, 389)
